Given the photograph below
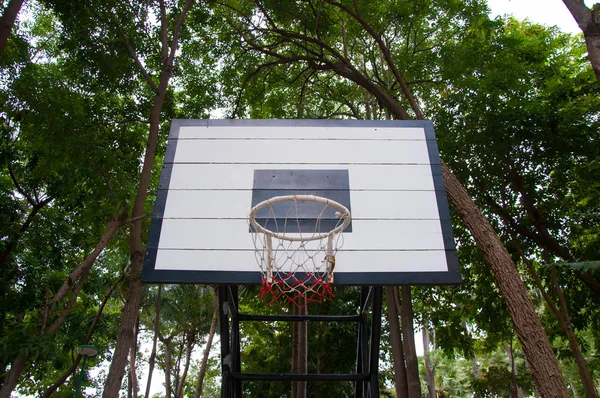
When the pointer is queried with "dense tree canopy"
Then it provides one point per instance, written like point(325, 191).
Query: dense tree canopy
point(87, 91)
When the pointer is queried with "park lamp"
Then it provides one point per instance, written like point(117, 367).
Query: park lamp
point(86, 350)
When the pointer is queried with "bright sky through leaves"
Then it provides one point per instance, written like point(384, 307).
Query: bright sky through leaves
point(547, 12)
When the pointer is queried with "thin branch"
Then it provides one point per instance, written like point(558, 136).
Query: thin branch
point(79, 275)
point(138, 63)
point(86, 340)
point(128, 46)
point(31, 201)
point(540, 287)
point(111, 192)
point(134, 219)
point(247, 79)
point(177, 33)
point(164, 49)
point(12, 243)
point(386, 52)
point(60, 319)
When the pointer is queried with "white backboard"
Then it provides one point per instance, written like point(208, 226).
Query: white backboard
point(400, 232)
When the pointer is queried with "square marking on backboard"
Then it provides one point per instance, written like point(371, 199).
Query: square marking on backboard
point(310, 217)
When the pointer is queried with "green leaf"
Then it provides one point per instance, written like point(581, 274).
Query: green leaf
point(582, 266)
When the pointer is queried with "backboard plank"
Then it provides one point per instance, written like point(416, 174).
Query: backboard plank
point(365, 204)
point(354, 261)
point(302, 132)
point(301, 151)
point(239, 176)
point(366, 235)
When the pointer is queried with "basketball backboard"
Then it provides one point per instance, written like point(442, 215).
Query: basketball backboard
point(387, 173)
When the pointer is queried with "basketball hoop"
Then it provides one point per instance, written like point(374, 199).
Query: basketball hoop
point(297, 266)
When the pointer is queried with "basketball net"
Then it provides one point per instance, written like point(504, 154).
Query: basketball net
point(297, 267)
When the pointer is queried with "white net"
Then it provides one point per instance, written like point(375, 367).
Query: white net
point(296, 255)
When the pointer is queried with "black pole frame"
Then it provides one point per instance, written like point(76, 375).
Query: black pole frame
point(368, 338)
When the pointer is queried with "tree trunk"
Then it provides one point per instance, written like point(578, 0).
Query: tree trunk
point(177, 367)
point(13, 376)
point(545, 371)
point(589, 23)
point(132, 363)
point(584, 372)
point(211, 334)
point(129, 383)
point(167, 368)
point(396, 340)
point(134, 294)
point(564, 320)
point(8, 20)
point(300, 351)
point(514, 385)
point(152, 360)
point(410, 349)
point(428, 368)
point(188, 354)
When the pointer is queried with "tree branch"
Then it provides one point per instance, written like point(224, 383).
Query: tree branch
point(79, 275)
point(177, 33)
point(581, 13)
point(164, 49)
point(386, 53)
point(128, 46)
point(20, 189)
point(12, 244)
point(86, 340)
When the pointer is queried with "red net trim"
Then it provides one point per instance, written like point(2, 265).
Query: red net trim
point(288, 289)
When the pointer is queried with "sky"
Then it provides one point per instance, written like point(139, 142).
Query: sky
point(547, 12)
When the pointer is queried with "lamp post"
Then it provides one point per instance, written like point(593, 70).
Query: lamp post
point(87, 351)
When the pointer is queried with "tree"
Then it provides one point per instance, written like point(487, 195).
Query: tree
point(315, 44)
point(185, 311)
point(400, 376)
point(589, 23)
point(209, 341)
point(8, 20)
point(58, 154)
point(528, 140)
point(105, 16)
point(113, 382)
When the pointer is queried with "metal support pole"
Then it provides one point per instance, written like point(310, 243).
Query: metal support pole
point(365, 340)
point(80, 379)
point(360, 368)
point(300, 318)
point(225, 353)
point(235, 342)
point(375, 340)
point(299, 377)
point(367, 352)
